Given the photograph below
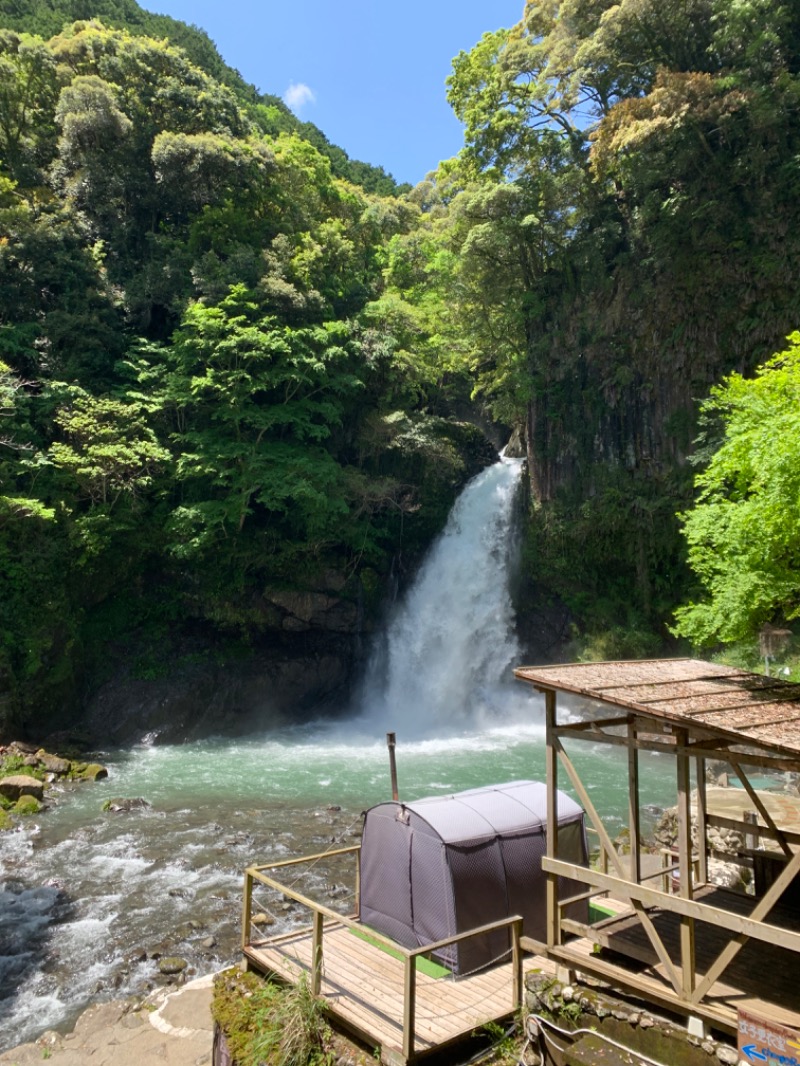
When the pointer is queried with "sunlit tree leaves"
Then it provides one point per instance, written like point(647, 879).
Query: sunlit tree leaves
point(743, 532)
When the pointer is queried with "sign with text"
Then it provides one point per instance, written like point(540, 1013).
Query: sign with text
point(764, 1041)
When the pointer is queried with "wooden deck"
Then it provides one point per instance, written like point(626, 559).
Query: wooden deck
point(759, 969)
point(363, 987)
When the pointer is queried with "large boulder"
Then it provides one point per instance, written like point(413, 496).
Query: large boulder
point(21, 785)
point(54, 764)
point(92, 771)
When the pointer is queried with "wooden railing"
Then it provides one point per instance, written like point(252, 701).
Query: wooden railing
point(689, 990)
point(319, 912)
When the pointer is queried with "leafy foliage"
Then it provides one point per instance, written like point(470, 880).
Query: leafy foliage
point(743, 532)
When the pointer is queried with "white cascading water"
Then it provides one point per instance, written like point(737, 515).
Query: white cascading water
point(444, 663)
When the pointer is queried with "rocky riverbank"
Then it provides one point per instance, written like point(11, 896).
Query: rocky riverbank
point(171, 1027)
point(27, 771)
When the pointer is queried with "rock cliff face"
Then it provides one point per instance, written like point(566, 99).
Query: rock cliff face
point(613, 418)
point(281, 681)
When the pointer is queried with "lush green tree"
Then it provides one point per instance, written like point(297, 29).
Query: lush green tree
point(743, 533)
point(253, 404)
point(28, 91)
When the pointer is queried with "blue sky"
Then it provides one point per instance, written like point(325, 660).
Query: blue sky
point(369, 73)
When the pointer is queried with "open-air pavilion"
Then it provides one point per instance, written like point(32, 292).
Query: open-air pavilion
point(704, 952)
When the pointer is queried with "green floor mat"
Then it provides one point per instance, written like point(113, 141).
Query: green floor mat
point(597, 913)
point(426, 966)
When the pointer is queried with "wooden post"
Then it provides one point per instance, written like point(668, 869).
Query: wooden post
point(751, 838)
point(409, 1007)
point(316, 954)
point(247, 906)
point(702, 822)
point(358, 883)
point(391, 741)
point(633, 804)
point(665, 877)
point(685, 862)
point(551, 759)
point(516, 963)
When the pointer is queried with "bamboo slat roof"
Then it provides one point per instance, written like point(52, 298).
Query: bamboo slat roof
point(755, 709)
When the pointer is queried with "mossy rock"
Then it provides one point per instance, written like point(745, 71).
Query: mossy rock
point(172, 964)
point(27, 805)
point(5, 820)
point(89, 771)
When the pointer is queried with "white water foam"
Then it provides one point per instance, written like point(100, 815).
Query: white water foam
point(444, 665)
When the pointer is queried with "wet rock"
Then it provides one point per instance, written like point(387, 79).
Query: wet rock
point(171, 964)
point(21, 785)
point(125, 806)
point(516, 448)
point(262, 919)
point(27, 805)
point(92, 771)
point(21, 747)
point(209, 943)
point(54, 764)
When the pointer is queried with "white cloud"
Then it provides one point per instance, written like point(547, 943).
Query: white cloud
point(298, 95)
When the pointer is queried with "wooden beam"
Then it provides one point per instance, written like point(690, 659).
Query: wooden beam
point(762, 810)
point(553, 924)
point(721, 822)
point(702, 821)
point(687, 936)
point(644, 988)
point(706, 744)
point(409, 1007)
point(760, 911)
point(308, 858)
point(516, 965)
point(703, 912)
point(358, 884)
point(595, 723)
point(247, 907)
point(633, 804)
point(316, 954)
point(594, 736)
point(608, 846)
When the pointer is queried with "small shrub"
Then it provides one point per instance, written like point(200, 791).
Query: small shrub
point(267, 1024)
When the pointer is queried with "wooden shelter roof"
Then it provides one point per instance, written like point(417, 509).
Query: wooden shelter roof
point(752, 709)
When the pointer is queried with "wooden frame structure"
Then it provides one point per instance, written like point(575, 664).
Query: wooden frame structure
point(693, 711)
point(371, 984)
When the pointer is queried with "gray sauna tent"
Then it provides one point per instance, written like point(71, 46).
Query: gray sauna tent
point(440, 866)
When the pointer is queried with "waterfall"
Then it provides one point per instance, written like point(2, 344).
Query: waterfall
point(444, 661)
